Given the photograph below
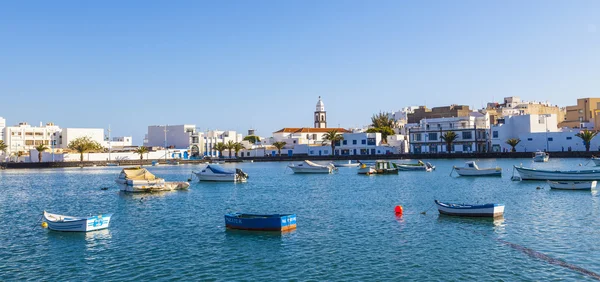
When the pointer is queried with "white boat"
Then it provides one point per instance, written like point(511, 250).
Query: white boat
point(59, 222)
point(248, 161)
point(419, 166)
point(310, 167)
point(348, 164)
point(572, 185)
point(566, 175)
point(366, 169)
point(138, 179)
point(471, 169)
point(486, 210)
point(541, 157)
point(217, 173)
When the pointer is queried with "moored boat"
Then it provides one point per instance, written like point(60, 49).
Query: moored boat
point(572, 185)
point(471, 169)
point(541, 157)
point(260, 222)
point(138, 179)
point(419, 166)
point(310, 167)
point(485, 210)
point(565, 175)
point(59, 222)
point(217, 173)
point(366, 169)
point(385, 167)
point(348, 164)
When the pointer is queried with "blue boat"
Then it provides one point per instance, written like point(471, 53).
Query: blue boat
point(260, 222)
point(486, 210)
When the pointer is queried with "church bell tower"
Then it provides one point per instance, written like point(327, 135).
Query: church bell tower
point(320, 115)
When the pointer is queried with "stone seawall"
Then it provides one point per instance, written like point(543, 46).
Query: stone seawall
point(313, 158)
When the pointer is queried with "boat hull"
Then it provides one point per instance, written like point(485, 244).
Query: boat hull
point(256, 222)
point(487, 210)
point(77, 224)
point(347, 165)
point(366, 170)
point(219, 177)
point(572, 185)
point(413, 168)
point(478, 172)
point(577, 175)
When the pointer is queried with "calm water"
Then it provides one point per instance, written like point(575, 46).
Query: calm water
point(347, 229)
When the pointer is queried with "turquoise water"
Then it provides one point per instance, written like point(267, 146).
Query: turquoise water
point(347, 229)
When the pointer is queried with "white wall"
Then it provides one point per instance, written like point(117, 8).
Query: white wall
point(177, 136)
point(114, 157)
point(70, 134)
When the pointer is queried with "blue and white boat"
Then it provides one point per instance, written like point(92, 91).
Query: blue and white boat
point(486, 210)
point(565, 175)
point(59, 222)
point(260, 222)
point(217, 173)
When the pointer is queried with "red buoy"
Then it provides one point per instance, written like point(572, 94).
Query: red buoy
point(398, 210)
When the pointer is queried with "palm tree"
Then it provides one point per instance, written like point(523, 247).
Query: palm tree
point(84, 144)
point(449, 137)
point(382, 120)
point(3, 146)
point(279, 145)
point(252, 139)
point(513, 143)
point(141, 150)
point(237, 147)
point(587, 136)
point(220, 147)
point(229, 146)
point(40, 148)
point(332, 136)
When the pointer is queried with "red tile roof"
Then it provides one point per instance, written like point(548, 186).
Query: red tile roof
point(310, 130)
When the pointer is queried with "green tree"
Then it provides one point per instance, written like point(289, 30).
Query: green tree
point(587, 136)
point(332, 136)
point(513, 143)
point(449, 137)
point(229, 146)
point(382, 120)
point(220, 147)
point(40, 148)
point(83, 145)
point(141, 151)
point(385, 132)
point(252, 139)
point(279, 145)
point(237, 147)
point(3, 147)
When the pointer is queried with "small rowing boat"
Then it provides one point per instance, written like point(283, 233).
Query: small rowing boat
point(59, 222)
point(572, 185)
point(261, 222)
point(486, 210)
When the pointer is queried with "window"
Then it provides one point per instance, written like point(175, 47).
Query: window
point(418, 137)
point(529, 139)
point(550, 139)
point(326, 152)
point(569, 138)
point(432, 136)
point(345, 142)
point(467, 135)
point(364, 141)
point(495, 134)
point(337, 143)
point(28, 142)
point(312, 152)
point(354, 142)
point(371, 141)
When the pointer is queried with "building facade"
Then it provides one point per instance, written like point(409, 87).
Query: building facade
point(515, 106)
point(320, 115)
point(472, 132)
point(438, 112)
point(24, 137)
point(582, 115)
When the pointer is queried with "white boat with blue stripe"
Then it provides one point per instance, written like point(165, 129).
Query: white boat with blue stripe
point(217, 173)
point(485, 210)
point(59, 222)
point(566, 175)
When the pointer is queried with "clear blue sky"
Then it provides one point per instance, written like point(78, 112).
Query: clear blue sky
point(262, 64)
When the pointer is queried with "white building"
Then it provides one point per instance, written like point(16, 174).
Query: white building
point(212, 137)
point(24, 137)
point(303, 135)
point(119, 142)
point(2, 126)
point(472, 131)
point(537, 133)
point(64, 136)
point(172, 136)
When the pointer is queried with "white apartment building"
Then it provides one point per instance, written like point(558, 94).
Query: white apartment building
point(172, 136)
point(537, 133)
point(64, 136)
point(472, 131)
point(212, 137)
point(24, 137)
point(119, 142)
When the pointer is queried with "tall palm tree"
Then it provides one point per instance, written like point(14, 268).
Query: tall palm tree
point(3, 146)
point(40, 148)
point(513, 143)
point(237, 147)
point(141, 150)
point(385, 132)
point(84, 144)
point(220, 147)
point(449, 137)
point(229, 146)
point(332, 136)
point(587, 136)
point(382, 120)
point(252, 139)
point(279, 145)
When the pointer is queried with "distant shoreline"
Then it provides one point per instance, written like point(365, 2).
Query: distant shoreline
point(506, 155)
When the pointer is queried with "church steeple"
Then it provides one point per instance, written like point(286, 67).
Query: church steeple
point(320, 115)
